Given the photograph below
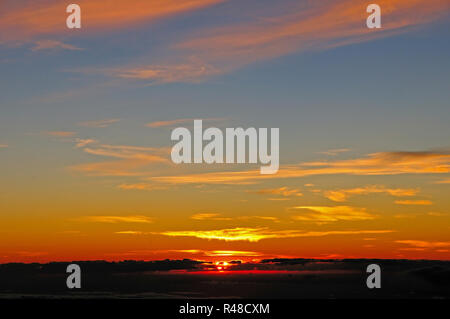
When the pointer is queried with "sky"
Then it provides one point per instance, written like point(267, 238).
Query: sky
point(86, 118)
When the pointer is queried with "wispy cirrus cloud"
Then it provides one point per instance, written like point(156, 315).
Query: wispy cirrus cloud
point(424, 244)
point(129, 232)
point(130, 160)
point(282, 191)
point(304, 26)
point(342, 195)
point(189, 71)
point(209, 216)
point(60, 133)
point(219, 217)
point(141, 187)
point(25, 21)
point(117, 219)
point(127, 152)
point(327, 214)
point(382, 163)
point(53, 45)
point(82, 142)
point(257, 234)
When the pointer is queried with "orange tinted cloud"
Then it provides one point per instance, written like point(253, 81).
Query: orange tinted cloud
point(219, 253)
point(231, 253)
point(282, 191)
point(128, 152)
point(140, 186)
point(39, 18)
point(131, 160)
point(342, 195)
point(117, 219)
point(424, 244)
point(191, 71)
point(383, 163)
point(215, 216)
point(209, 216)
point(322, 24)
point(130, 232)
point(326, 214)
point(257, 234)
point(316, 25)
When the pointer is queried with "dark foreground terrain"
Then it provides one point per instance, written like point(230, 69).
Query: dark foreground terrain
point(271, 279)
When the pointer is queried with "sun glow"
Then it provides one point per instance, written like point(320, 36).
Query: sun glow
point(222, 265)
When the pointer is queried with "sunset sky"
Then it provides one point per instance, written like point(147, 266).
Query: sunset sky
point(86, 118)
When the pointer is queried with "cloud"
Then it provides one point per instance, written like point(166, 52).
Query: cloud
point(4, 145)
point(424, 244)
point(168, 123)
point(325, 214)
point(128, 152)
point(100, 123)
point(342, 195)
point(80, 142)
point(216, 216)
point(141, 187)
point(314, 25)
point(414, 202)
point(117, 219)
point(209, 216)
point(21, 22)
point(129, 232)
point(185, 72)
point(60, 133)
point(198, 252)
point(269, 218)
point(52, 44)
point(382, 163)
point(257, 234)
point(282, 191)
point(232, 253)
point(219, 253)
point(131, 160)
